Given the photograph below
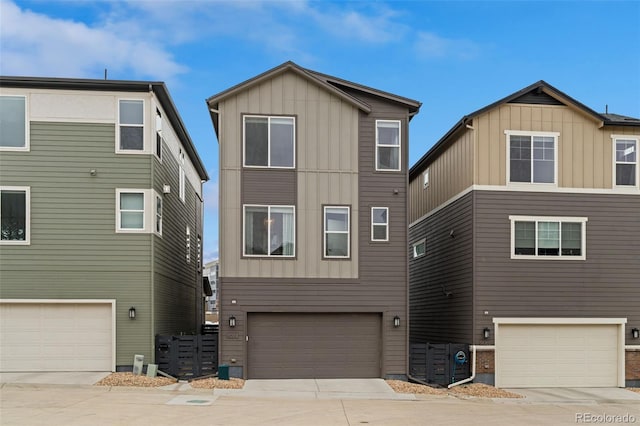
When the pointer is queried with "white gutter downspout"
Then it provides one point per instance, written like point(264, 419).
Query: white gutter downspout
point(473, 369)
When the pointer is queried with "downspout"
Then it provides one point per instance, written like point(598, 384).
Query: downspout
point(473, 369)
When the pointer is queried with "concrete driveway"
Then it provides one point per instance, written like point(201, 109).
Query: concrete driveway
point(55, 378)
point(578, 395)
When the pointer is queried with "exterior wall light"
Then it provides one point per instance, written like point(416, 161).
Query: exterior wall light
point(635, 333)
point(232, 321)
point(486, 333)
point(132, 313)
point(396, 321)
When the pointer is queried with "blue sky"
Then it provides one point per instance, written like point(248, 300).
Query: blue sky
point(453, 56)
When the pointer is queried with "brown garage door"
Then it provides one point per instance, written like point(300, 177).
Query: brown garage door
point(301, 346)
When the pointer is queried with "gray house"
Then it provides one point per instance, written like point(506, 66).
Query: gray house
point(313, 226)
point(524, 230)
point(101, 211)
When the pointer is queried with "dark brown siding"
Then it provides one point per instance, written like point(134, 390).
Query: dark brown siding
point(606, 284)
point(269, 186)
point(441, 281)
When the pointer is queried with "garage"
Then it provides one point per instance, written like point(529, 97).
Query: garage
point(58, 335)
point(310, 345)
point(545, 352)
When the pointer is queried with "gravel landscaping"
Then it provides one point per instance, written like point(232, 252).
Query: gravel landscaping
point(637, 390)
point(474, 389)
point(215, 383)
point(130, 379)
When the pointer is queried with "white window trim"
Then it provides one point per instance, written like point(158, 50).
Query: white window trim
point(399, 146)
point(635, 187)
point(158, 133)
point(415, 254)
point(425, 178)
point(188, 244)
point(244, 141)
point(155, 213)
point(380, 224)
point(181, 177)
point(324, 232)
point(556, 159)
point(147, 216)
point(27, 136)
point(244, 230)
point(27, 219)
point(582, 220)
point(145, 148)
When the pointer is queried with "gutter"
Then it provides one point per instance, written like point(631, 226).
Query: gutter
point(473, 370)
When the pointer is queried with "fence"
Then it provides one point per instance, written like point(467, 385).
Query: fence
point(187, 357)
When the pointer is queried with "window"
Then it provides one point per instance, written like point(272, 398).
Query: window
point(131, 124)
point(188, 246)
point(419, 249)
point(388, 145)
point(379, 224)
point(269, 231)
point(548, 237)
point(15, 215)
point(181, 175)
point(158, 150)
point(130, 206)
point(158, 221)
point(13, 123)
point(532, 157)
point(425, 179)
point(199, 253)
point(269, 141)
point(626, 161)
point(336, 232)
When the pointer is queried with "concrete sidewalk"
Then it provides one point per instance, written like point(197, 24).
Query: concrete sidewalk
point(55, 378)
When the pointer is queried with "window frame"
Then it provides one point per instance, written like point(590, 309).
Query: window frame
point(425, 178)
point(244, 141)
point(386, 225)
point(268, 255)
point(27, 214)
point(157, 223)
point(145, 198)
point(559, 219)
point(27, 136)
point(324, 231)
point(143, 150)
point(188, 244)
point(615, 139)
point(532, 134)
point(159, 141)
point(414, 253)
point(399, 146)
point(181, 177)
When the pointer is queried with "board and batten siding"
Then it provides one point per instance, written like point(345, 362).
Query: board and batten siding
point(75, 252)
point(606, 284)
point(326, 173)
point(441, 281)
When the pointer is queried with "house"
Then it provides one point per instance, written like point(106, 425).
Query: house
point(210, 270)
point(524, 230)
point(313, 231)
point(101, 223)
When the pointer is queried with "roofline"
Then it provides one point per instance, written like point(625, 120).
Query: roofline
point(158, 87)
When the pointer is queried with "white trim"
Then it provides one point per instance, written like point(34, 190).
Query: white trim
point(324, 231)
point(27, 214)
point(155, 213)
point(399, 146)
point(181, 177)
point(386, 225)
point(145, 200)
point(414, 255)
point(27, 121)
point(244, 227)
point(112, 302)
point(143, 126)
point(425, 178)
point(559, 219)
point(532, 134)
point(626, 188)
point(158, 134)
point(188, 244)
point(244, 141)
point(559, 320)
point(485, 347)
point(632, 347)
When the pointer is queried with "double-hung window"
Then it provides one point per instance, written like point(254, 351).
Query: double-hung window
point(379, 224)
point(337, 229)
point(131, 210)
point(541, 237)
point(269, 231)
point(13, 123)
point(388, 145)
point(269, 141)
point(532, 157)
point(131, 125)
point(158, 219)
point(15, 215)
point(626, 161)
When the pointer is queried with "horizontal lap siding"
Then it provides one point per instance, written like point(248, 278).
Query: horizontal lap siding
point(606, 284)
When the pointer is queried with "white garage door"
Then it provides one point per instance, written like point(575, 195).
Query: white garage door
point(557, 355)
point(56, 336)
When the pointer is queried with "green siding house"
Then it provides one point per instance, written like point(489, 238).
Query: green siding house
point(101, 211)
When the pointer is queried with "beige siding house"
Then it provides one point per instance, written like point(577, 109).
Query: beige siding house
point(524, 224)
point(313, 231)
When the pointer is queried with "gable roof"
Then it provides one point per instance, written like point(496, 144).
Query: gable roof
point(329, 83)
point(540, 92)
point(158, 87)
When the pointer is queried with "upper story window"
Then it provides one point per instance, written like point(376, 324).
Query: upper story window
point(158, 219)
point(337, 229)
point(419, 248)
point(131, 210)
point(181, 176)
point(131, 125)
point(532, 157)
point(269, 141)
point(13, 123)
point(541, 237)
point(626, 161)
point(15, 215)
point(158, 148)
point(425, 179)
point(269, 231)
point(379, 224)
point(388, 143)
point(188, 244)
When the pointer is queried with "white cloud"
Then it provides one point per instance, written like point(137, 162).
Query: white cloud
point(35, 44)
point(431, 45)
